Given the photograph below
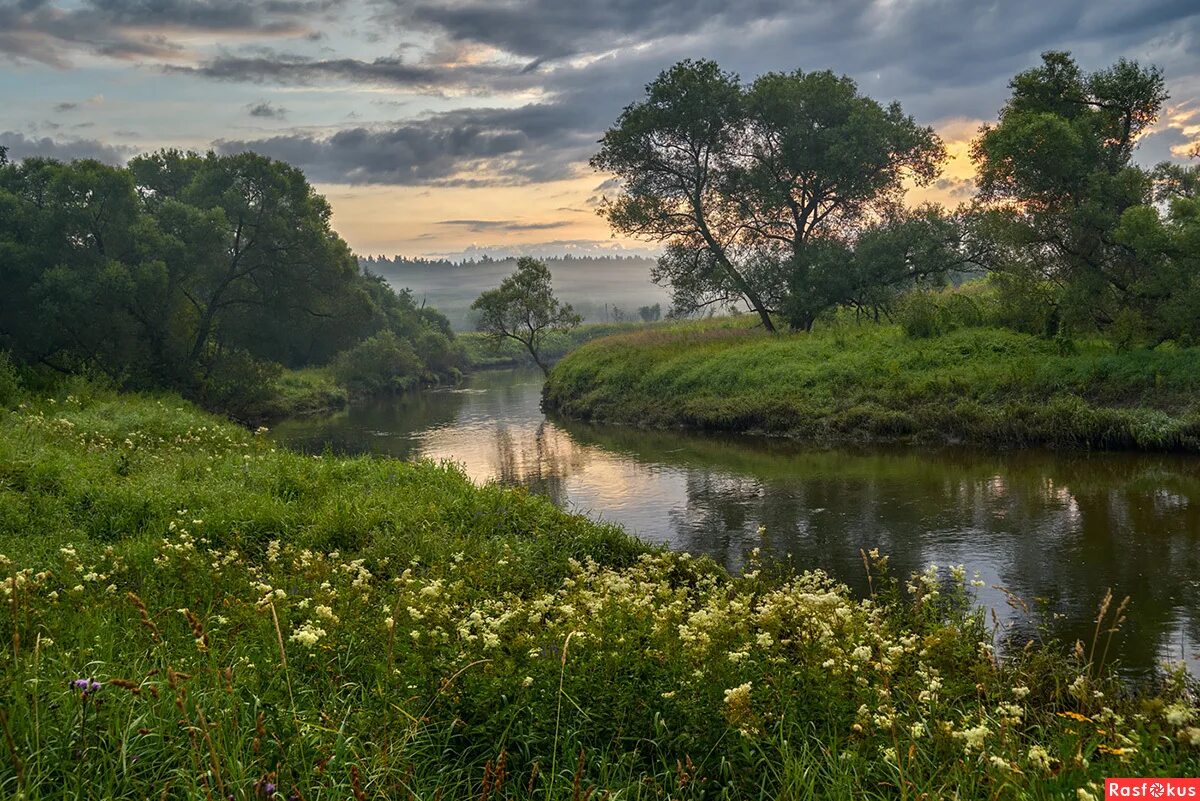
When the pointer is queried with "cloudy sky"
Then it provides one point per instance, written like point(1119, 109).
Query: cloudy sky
point(460, 125)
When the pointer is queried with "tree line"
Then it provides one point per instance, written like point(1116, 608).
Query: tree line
point(204, 273)
point(785, 195)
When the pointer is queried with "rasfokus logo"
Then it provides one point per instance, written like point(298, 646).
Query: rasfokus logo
point(1151, 788)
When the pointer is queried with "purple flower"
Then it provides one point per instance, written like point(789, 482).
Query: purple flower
point(86, 686)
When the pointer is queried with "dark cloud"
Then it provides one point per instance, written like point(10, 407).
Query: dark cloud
point(266, 109)
point(47, 31)
point(468, 147)
point(896, 51)
point(483, 226)
point(21, 146)
point(585, 62)
point(546, 29)
point(390, 72)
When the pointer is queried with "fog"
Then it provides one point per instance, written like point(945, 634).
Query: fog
point(600, 288)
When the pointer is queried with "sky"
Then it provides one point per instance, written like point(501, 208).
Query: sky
point(462, 127)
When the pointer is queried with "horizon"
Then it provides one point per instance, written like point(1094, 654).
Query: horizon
point(463, 129)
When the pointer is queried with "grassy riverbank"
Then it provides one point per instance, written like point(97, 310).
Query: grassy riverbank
point(872, 382)
point(189, 613)
point(482, 354)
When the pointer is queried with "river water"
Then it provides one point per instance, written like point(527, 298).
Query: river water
point(1055, 528)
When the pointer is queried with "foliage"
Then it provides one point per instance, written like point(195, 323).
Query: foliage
point(382, 363)
point(187, 271)
point(752, 187)
point(1075, 218)
point(204, 616)
point(853, 381)
point(523, 309)
point(650, 314)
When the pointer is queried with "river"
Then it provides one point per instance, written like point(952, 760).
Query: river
point(1056, 528)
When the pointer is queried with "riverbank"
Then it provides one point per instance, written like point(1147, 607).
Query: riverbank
point(482, 354)
point(317, 391)
point(191, 612)
point(873, 383)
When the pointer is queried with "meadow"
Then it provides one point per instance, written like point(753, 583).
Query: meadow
point(845, 381)
point(190, 613)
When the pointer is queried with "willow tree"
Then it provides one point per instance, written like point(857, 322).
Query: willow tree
point(744, 184)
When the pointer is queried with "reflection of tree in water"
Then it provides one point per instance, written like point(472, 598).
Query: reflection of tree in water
point(1055, 530)
point(541, 463)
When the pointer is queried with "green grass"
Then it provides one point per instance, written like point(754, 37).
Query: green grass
point(262, 623)
point(481, 353)
point(309, 391)
point(872, 382)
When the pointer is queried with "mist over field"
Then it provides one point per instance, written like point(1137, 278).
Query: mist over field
point(601, 288)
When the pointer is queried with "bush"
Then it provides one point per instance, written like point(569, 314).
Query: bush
point(241, 386)
point(919, 316)
point(382, 363)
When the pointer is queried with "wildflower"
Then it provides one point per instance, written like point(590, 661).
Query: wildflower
point(86, 686)
point(1177, 714)
point(1084, 795)
point(1039, 758)
point(326, 613)
point(527, 682)
point(1020, 692)
point(999, 762)
point(307, 634)
point(973, 738)
point(1190, 735)
point(389, 622)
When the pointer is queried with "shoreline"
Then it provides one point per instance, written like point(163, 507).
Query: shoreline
point(977, 387)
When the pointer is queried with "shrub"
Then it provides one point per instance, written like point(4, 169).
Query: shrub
point(919, 315)
point(382, 363)
point(241, 386)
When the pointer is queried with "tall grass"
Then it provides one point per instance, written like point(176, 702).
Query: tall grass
point(873, 382)
point(186, 612)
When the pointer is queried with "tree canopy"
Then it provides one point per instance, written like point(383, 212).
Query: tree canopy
point(1072, 210)
point(523, 308)
point(749, 186)
point(182, 266)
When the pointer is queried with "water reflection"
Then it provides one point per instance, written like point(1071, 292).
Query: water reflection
point(1056, 527)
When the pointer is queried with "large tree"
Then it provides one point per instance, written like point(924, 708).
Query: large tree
point(523, 308)
point(744, 183)
point(1057, 176)
point(194, 271)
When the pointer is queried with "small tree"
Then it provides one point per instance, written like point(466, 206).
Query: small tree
point(524, 308)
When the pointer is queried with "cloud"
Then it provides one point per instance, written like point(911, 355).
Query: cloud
point(392, 72)
point(548, 29)
point(51, 31)
point(21, 146)
point(266, 109)
point(468, 147)
point(482, 226)
point(95, 100)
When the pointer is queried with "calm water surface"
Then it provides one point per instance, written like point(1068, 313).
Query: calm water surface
point(1059, 527)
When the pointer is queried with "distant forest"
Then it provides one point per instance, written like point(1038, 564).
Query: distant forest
point(600, 288)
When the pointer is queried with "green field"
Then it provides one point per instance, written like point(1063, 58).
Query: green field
point(189, 613)
point(872, 382)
